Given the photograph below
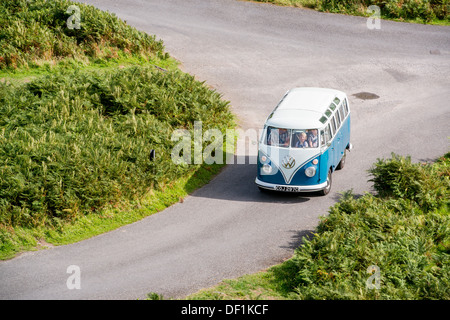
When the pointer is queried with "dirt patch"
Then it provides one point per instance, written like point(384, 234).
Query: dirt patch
point(42, 244)
point(366, 95)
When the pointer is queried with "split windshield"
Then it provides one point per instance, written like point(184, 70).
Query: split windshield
point(294, 138)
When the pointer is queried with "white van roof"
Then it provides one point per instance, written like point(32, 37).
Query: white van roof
point(301, 108)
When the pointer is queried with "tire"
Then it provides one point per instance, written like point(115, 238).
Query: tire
point(327, 189)
point(341, 164)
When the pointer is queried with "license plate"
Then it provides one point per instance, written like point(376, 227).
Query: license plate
point(287, 189)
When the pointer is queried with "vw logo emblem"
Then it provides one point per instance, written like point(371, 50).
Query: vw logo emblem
point(288, 162)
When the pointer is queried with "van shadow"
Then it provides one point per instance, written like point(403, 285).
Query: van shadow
point(236, 182)
point(298, 238)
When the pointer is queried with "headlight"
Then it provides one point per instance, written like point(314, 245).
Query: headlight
point(267, 168)
point(310, 171)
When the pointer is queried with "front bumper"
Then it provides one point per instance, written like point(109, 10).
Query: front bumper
point(279, 187)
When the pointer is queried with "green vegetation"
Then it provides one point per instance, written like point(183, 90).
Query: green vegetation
point(404, 230)
point(80, 112)
point(422, 11)
point(36, 31)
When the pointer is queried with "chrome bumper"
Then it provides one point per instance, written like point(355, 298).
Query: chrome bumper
point(272, 186)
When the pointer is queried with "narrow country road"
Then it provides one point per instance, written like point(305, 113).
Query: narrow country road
point(253, 53)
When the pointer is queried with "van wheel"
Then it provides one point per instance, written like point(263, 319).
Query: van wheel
point(341, 164)
point(327, 189)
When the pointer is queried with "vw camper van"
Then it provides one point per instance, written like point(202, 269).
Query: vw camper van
point(304, 140)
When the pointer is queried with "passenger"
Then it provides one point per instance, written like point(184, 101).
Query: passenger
point(284, 138)
point(312, 138)
point(301, 140)
point(278, 137)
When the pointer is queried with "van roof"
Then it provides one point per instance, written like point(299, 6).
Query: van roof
point(302, 108)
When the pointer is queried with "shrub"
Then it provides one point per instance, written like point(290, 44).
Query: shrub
point(406, 238)
point(75, 141)
point(398, 177)
point(35, 30)
point(423, 10)
point(410, 9)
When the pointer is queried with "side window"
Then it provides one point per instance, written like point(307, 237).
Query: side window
point(345, 107)
point(338, 119)
point(333, 125)
point(330, 133)
point(323, 140)
point(341, 112)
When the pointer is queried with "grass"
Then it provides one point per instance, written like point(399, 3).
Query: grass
point(37, 31)
point(265, 285)
point(25, 74)
point(405, 235)
point(412, 11)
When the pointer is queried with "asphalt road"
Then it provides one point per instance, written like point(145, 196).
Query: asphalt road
point(253, 53)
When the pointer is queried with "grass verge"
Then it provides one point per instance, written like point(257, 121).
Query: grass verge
point(413, 11)
point(19, 239)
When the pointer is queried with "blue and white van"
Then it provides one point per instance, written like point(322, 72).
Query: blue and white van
point(304, 140)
